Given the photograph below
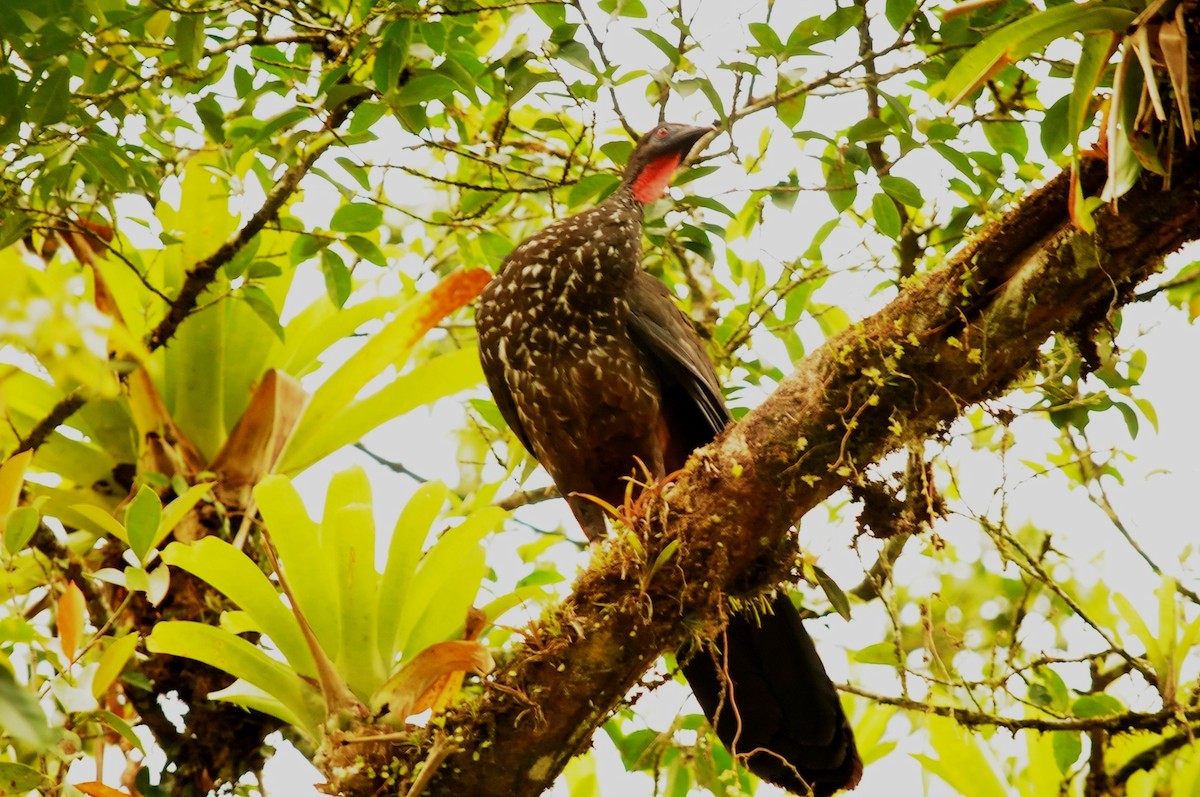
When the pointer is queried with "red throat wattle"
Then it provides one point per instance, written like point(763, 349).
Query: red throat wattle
point(653, 181)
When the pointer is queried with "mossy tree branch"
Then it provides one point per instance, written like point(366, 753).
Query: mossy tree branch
point(953, 337)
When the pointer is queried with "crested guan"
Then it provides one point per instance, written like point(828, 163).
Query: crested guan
point(594, 367)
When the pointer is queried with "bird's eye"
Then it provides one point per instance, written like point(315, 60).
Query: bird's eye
point(661, 132)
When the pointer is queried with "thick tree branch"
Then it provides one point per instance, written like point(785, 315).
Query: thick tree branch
point(954, 337)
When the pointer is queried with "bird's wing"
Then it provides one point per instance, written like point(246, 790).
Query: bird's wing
point(670, 342)
point(503, 397)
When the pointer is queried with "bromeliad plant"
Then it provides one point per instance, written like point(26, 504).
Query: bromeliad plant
point(1139, 129)
point(133, 442)
point(354, 639)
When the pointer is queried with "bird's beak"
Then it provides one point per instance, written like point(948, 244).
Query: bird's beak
point(684, 139)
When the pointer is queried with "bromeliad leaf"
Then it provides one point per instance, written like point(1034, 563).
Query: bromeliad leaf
point(389, 347)
point(232, 654)
point(1025, 36)
point(442, 376)
point(310, 571)
point(404, 553)
point(236, 576)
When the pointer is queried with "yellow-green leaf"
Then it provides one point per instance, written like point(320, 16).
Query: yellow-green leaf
point(404, 552)
point(310, 571)
point(112, 662)
point(12, 476)
point(237, 577)
point(234, 655)
point(142, 516)
point(176, 510)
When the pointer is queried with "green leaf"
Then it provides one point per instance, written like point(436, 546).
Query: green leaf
point(1054, 130)
point(897, 11)
point(392, 55)
point(52, 98)
point(1153, 651)
point(425, 88)
point(16, 225)
point(576, 54)
point(1049, 690)
point(665, 47)
point(212, 117)
point(624, 8)
point(869, 129)
point(320, 325)
point(1124, 167)
point(887, 217)
point(833, 592)
point(902, 190)
point(189, 38)
point(196, 363)
point(102, 520)
point(957, 159)
point(878, 653)
point(368, 250)
point(260, 302)
point(357, 217)
point(840, 184)
point(769, 43)
point(1092, 62)
point(1007, 137)
point(390, 346)
point(21, 717)
point(1027, 35)
point(113, 660)
point(338, 283)
point(306, 246)
point(551, 14)
point(141, 521)
point(1067, 747)
point(1097, 705)
point(234, 655)
point(349, 524)
point(19, 528)
point(961, 761)
point(235, 575)
point(18, 778)
point(121, 727)
point(177, 510)
point(244, 694)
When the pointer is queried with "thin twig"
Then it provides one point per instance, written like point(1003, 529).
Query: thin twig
point(1113, 723)
point(64, 409)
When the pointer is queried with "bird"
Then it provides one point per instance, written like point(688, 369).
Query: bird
point(598, 373)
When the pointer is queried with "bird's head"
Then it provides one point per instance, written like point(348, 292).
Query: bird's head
point(657, 156)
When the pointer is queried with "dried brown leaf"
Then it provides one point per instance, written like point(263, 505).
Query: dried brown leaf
point(260, 435)
point(432, 677)
point(1172, 40)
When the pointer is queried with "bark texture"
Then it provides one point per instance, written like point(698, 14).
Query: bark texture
point(953, 337)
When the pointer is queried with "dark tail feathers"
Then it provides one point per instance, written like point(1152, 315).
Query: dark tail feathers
point(780, 715)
